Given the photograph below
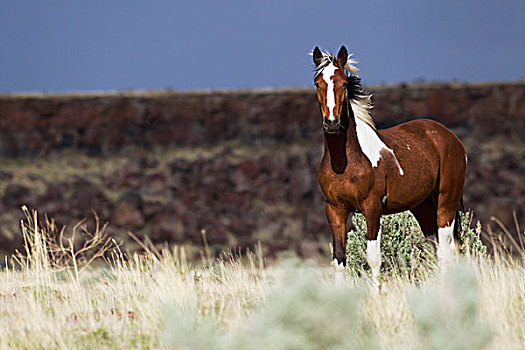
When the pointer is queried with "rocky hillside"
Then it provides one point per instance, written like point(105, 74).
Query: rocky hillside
point(240, 166)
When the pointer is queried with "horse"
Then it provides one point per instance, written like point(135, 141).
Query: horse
point(419, 165)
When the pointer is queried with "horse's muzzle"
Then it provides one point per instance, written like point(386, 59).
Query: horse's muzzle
point(331, 126)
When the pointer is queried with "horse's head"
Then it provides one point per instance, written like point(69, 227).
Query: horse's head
point(330, 80)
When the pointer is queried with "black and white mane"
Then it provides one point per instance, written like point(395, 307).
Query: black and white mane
point(360, 100)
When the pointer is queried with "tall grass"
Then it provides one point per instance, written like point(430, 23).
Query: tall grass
point(160, 300)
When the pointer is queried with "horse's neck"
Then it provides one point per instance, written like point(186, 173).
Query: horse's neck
point(343, 148)
point(335, 146)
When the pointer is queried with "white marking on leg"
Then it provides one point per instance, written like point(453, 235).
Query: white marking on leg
point(383, 200)
point(373, 257)
point(328, 73)
point(370, 143)
point(339, 273)
point(446, 245)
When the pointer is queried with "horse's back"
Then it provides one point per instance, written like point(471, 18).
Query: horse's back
point(442, 139)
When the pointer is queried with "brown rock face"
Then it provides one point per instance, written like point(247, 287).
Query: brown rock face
point(128, 212)
point(16, 195)
point(127, 215)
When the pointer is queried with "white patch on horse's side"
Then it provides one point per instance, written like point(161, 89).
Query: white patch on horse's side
point(373, 257)
point(408, 147)
point(371, 144)
point(446, 245)
point(328, 73)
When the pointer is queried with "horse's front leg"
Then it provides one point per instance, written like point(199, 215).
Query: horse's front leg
point(337, 217)
point(373, 245)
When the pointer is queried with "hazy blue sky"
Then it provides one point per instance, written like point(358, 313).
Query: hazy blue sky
point(193, 44)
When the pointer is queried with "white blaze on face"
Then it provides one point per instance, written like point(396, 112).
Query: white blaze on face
point(328, 73)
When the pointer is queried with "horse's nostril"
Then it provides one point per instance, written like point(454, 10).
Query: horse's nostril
point(330, 124)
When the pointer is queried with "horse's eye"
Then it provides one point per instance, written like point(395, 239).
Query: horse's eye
point(317, 85)
point(345, 84)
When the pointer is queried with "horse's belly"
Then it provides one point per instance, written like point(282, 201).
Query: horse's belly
point(406, 191)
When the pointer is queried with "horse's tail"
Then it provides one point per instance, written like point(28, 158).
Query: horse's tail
point(457, 225)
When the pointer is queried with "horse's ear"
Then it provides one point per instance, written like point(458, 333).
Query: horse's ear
point(342, 56)
point(318, 56)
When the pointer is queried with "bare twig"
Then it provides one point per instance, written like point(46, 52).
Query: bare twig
point(46, 246)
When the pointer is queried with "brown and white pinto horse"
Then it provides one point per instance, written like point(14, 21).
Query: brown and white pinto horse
point(418, 166)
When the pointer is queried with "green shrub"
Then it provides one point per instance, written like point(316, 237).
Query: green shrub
point(404, 249)
point(470, 239)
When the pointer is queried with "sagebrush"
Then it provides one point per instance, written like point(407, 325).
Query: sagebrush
point(404, 249)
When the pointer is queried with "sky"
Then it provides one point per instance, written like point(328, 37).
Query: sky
point(61, 46)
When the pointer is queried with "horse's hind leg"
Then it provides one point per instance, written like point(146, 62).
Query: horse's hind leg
point(438, 219)
point(434, 219)
point(426, 215)
point(445, 221)
point(447, 206)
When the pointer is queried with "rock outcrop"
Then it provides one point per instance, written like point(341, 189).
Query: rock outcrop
point(242, 166)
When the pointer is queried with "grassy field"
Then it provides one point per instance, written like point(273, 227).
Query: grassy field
point(56, 295)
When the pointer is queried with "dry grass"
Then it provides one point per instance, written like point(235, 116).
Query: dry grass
point(159, 300)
